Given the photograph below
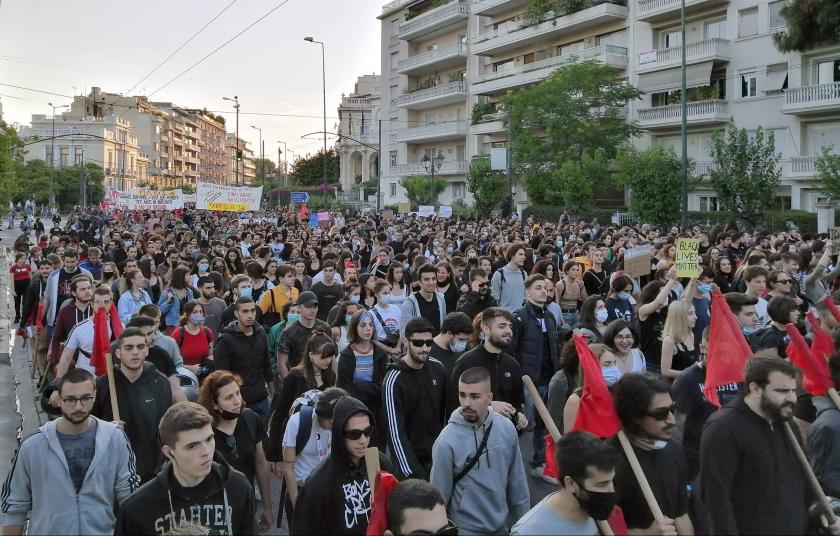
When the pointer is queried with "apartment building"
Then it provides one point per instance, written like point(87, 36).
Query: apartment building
point(441, 60)
point(212, 142)
point(358, 129)
point(107, 142)
point(247, 172)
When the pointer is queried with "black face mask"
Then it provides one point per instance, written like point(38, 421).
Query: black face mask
point(598, 504)
point(228, 415)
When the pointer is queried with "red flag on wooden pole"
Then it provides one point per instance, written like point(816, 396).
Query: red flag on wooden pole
point(101, 342)
point(815, 377)
point(823, 345)
point(596, 413)
point(728, 350)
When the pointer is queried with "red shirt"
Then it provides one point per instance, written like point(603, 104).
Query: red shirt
point(194, 348)
point(21, 273)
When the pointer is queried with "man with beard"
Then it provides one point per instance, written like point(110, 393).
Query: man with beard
point(81, 289)
point(415, 397)
point(477, 465)
point(750, 478)
point(646, 412)
point(59, 286)
point(505, 374)
point(72, 474)
point(143, 394)
point(214, 306)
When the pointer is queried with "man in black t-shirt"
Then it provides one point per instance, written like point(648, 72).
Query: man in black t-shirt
point(327, 291)
point(293, 340)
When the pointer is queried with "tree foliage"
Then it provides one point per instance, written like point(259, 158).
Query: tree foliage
point(309, 169)
point(264, 168)
point(746, 172)
point(422, 190)
point(9, 143)
point(489, 188)
point(35, 179)
point(653, 177)
point(810, 24)
point(828, 173)
point(573, 119)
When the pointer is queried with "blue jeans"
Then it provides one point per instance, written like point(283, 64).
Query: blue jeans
point(539, 427)
point(570, 318)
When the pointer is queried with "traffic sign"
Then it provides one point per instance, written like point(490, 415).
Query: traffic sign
point(300, 197)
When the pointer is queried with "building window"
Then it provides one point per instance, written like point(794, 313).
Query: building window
point(48, 155)
point(749, 85)
point(502, 66)
point(459, 190)
point(393, 189)
point(776, 80)
point(775, 18)
point(529, 58)
point(570, 48)
point(828, 72)
point(78, 156)
point(430, 118)
point(395, 27)
point(392, 158)
point(395, 61)
point(63, 155)
point(708, 203)
point(460, 152)
point(670, 38)
point(748, 22)
point(780, 136)
point(715, 29)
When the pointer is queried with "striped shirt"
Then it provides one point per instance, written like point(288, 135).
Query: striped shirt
point(364, 369)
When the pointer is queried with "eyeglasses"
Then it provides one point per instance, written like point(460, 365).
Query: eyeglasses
point(450, 529)
point(230, 441)
point(72, 400)
point(624, 337)
point(421, 342)
point(661, 414)
point(355, 433)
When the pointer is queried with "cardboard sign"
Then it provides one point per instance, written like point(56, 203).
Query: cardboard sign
point(445, 211)
point(426, 211)
point(404, 208)
point(637, 260)
point(388, 215)
point(688, 264)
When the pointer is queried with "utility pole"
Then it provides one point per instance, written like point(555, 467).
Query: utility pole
point(379, 170)
point(683, 93)
point(262, 156)
point(509, 165)
point(52, 153)
point(324, 82)
point(238, 156)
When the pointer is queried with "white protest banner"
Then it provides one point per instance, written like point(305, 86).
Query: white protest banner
point(227, 198)
point(426, 210)
point(145, 199)
point(445, 211)
point(189, 198)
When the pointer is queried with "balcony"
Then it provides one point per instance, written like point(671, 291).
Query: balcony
point(699, 113)
point(812, 99)
point(433, 21)
point(656, 10)
point(700, 51)
point(489, 124)
point(355, 102)
point(431, 97)
point(454, 167)
point(516, 36)
point(803, 166)
point(434, 60)
point(525, 74)
point(433, 132)
point(494, 7)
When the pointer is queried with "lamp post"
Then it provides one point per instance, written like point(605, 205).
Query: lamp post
point(324, 83)
point(52, 151)
point(285, 161)
point(683, 125)
point(432, 165)
point(236, 157)
point(262, 156)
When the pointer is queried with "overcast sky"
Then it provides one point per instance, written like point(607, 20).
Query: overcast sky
point(68, 46)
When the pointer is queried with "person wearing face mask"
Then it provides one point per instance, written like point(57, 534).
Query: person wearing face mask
point(387, 317)
point(611, 373)
point(240, 287)
point(293, 340)
point(700, 295)
point(645, 409)
point(455, 334)
point(194, 339)
point(618, 301)
point(586, 469)
point(414, 394)
point(593, 318)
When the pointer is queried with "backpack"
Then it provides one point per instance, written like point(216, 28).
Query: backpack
point(180, 331)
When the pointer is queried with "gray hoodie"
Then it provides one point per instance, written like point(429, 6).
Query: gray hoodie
point(824, 445)
point(410, 308)
point(495, 489)
point(39, 483)
point(508, 288)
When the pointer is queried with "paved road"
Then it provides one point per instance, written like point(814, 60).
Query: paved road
point(19, 415)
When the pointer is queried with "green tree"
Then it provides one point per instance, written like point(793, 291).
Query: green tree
point(68, 182)
point(308, 171)
point(746, 172)
point(653, 177)
point(571, 119)
point(34, 181)
point(264, 168)
point(422, 190)
point(828, 173)
point(809, 24)
point(489, 188)
point(9, 148)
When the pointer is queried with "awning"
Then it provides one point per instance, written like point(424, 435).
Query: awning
point(695, 76)
point(775, 80)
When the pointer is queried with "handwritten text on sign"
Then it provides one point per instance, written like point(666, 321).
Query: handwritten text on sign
point(227, 198)
point(687, 262)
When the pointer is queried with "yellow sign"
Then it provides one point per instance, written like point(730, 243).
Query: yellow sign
point(404, 208)
point(688, 263)
point(228, 207)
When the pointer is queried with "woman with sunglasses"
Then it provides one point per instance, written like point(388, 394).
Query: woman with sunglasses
point(779, 284)
point(239, 434)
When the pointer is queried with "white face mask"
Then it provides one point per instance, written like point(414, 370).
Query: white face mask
point(601, 315)
point(458, 345)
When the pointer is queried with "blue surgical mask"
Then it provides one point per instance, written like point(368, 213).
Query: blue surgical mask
point(624, 296)
point(128, 243)
point(458, 346)
point(355, 298)
point(406, 267)
point(385, 299)
point(747, 331)
point(245, 292)
point(347, 319)
point(292, 317)
point(197, 319)
point(203, 267)
point(481, 337)
point(611, 374)
point(601, 315)
point(450, 249)
point(704, 287)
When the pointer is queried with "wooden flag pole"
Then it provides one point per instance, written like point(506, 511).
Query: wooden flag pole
point(809, 474)
point(832, 394)
point(640, 476)
point(603, 526)
point(372, 465)
point(112, 387)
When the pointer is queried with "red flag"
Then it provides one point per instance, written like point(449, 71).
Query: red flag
point(835, 312)
point(822, 346)
point(815, 377)
point(101, 342)
point(728, 350)
point(378, 519)
point(596, 413)
point(39, 316)
point(116, 324)
point(303, 210)
point(550, 467)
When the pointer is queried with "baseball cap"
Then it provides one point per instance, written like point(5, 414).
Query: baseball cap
point(307, 297)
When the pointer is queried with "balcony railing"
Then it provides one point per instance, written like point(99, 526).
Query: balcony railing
point(584, 54)
point(451, 88)
point(652, 9)
point(448, 168)
point(709, 110)
point(444, 130)
point(431, 56)
point(803, 164)
point(702, 169)
point(813, 95)
point(708, 48)
point(492, 7)
point(431, 17)
point(355, 100)
point(395, 5)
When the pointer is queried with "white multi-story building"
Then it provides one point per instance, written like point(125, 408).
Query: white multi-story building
point(439, 59)
point(247, 172)
point(358, 130)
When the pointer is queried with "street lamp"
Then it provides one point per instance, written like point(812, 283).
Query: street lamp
point(262, 155)
point(236, 157)
point(432, 165)
point(285, 162)
point(52, 151)
point(324, 83)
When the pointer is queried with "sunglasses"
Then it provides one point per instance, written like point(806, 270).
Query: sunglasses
point(450, 529)
point(661, 414)
point(783, 281)
point(355, 433)
point(417, 343)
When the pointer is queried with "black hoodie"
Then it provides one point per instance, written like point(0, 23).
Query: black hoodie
point(247, 356)
point(223, 503)
point(142, 405)
point(335, 499)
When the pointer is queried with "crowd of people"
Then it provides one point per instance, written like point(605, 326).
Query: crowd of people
point(251, 351)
